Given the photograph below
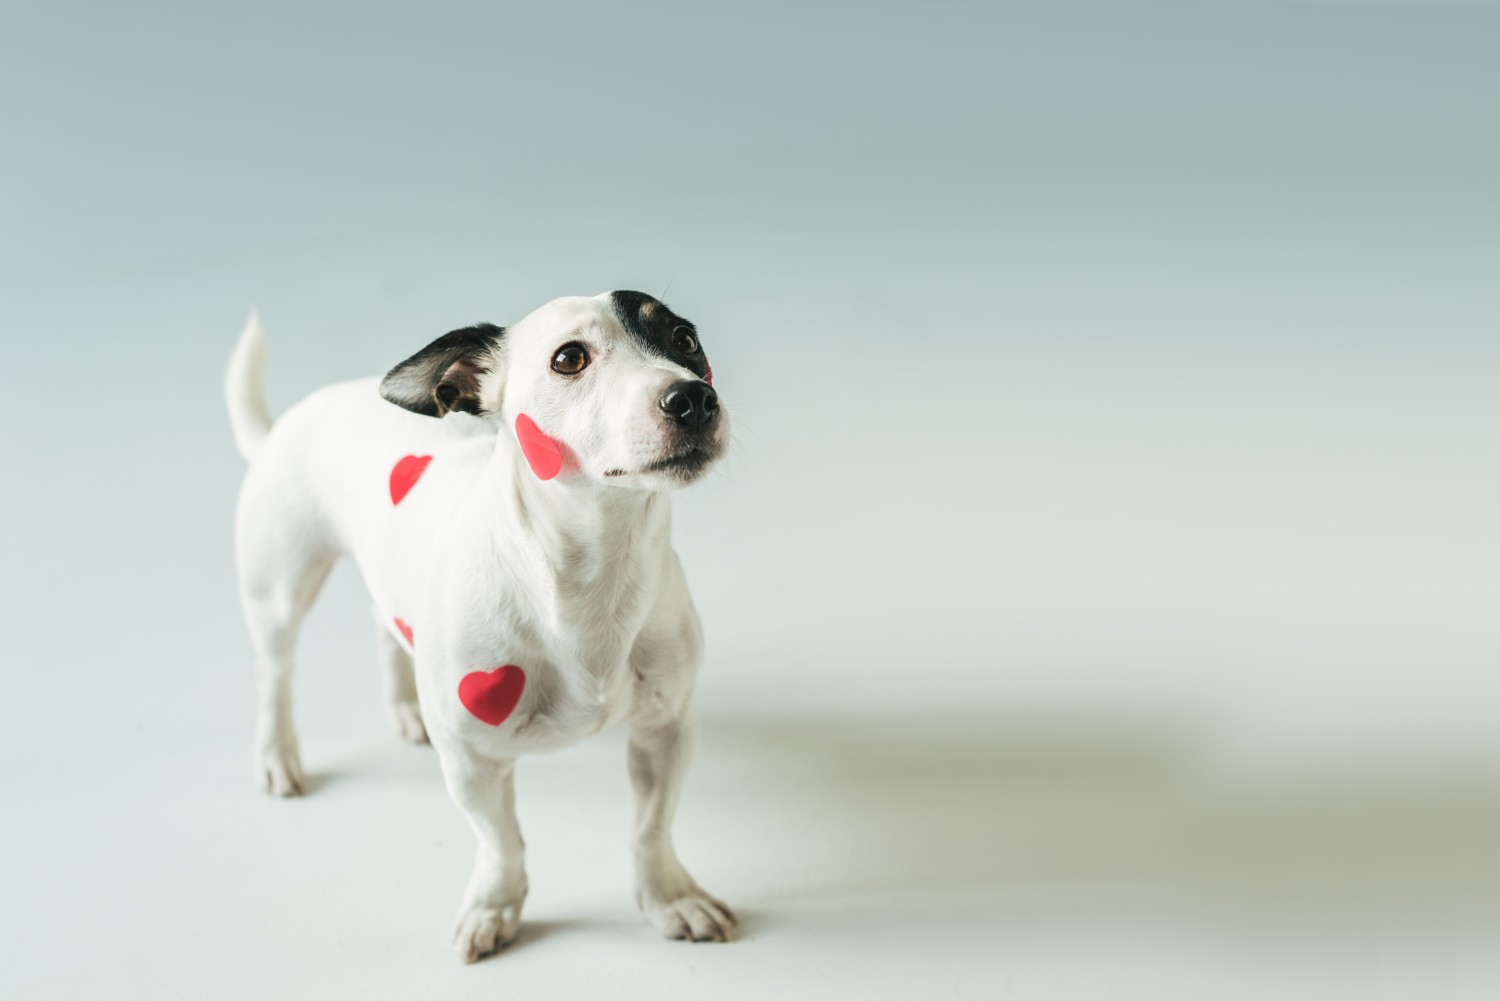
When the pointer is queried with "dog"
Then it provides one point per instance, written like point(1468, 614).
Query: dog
point(505, 493)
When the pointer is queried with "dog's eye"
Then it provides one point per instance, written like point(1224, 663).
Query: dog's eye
point(570, 359)
point(686, 342)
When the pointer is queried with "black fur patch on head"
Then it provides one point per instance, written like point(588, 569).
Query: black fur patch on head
point(654, 327)
point(444, 376)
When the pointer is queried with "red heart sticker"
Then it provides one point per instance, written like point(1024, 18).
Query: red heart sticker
point(404, 630)
point(406, 473)
point(491, 695)
point(544, 454)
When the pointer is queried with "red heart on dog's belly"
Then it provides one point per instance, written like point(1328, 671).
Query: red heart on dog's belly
point(406, 473)
point(492, 695)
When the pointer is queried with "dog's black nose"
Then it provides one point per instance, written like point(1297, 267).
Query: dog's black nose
point(693, 404)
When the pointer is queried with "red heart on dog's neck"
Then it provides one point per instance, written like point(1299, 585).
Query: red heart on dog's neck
point(543, 453)
point(406, 473)
point(492, 695)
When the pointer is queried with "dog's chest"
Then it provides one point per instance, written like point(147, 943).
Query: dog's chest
point(569, 705)
point(523, 632)
point(519, 675)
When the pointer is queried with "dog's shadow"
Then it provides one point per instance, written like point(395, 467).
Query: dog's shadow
point(533, 931)
point(1008, 814)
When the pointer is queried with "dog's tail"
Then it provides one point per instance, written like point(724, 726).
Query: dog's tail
point(242, 389)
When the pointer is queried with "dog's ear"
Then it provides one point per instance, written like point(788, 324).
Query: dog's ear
point(445, 375)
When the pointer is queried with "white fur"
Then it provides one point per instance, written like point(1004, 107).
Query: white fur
point(573, 579)
point(242, 388)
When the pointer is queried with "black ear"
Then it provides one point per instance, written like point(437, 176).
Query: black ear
point(444, 375)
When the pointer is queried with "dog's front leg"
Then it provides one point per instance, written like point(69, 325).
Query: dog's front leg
point(679, 908)
point(491, 912)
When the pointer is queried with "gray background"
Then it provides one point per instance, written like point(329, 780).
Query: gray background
point(1101, 592)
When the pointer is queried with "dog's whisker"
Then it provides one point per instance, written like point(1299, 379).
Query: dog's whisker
point(663, 296)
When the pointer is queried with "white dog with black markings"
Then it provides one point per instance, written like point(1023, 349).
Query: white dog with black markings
point(505, 495)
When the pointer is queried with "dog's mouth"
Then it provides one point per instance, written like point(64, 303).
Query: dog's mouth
point(685, 463)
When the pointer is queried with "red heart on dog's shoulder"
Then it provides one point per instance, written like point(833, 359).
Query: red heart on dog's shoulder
point(405, 474)
point(492, 695)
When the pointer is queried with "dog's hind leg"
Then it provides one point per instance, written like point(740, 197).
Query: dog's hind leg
point(399, 683)
point(281, 571)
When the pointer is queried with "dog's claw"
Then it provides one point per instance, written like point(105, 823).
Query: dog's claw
point(694, 917)
point(484, 931)
point(280, 772)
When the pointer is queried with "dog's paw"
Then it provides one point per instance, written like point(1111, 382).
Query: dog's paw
point(690, 915)
point(408, 719)
point(278, 769)
point(484, 930)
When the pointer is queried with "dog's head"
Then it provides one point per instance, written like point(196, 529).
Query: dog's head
point(617, 384)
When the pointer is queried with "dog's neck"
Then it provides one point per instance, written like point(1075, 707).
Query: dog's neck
point(594, 548)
